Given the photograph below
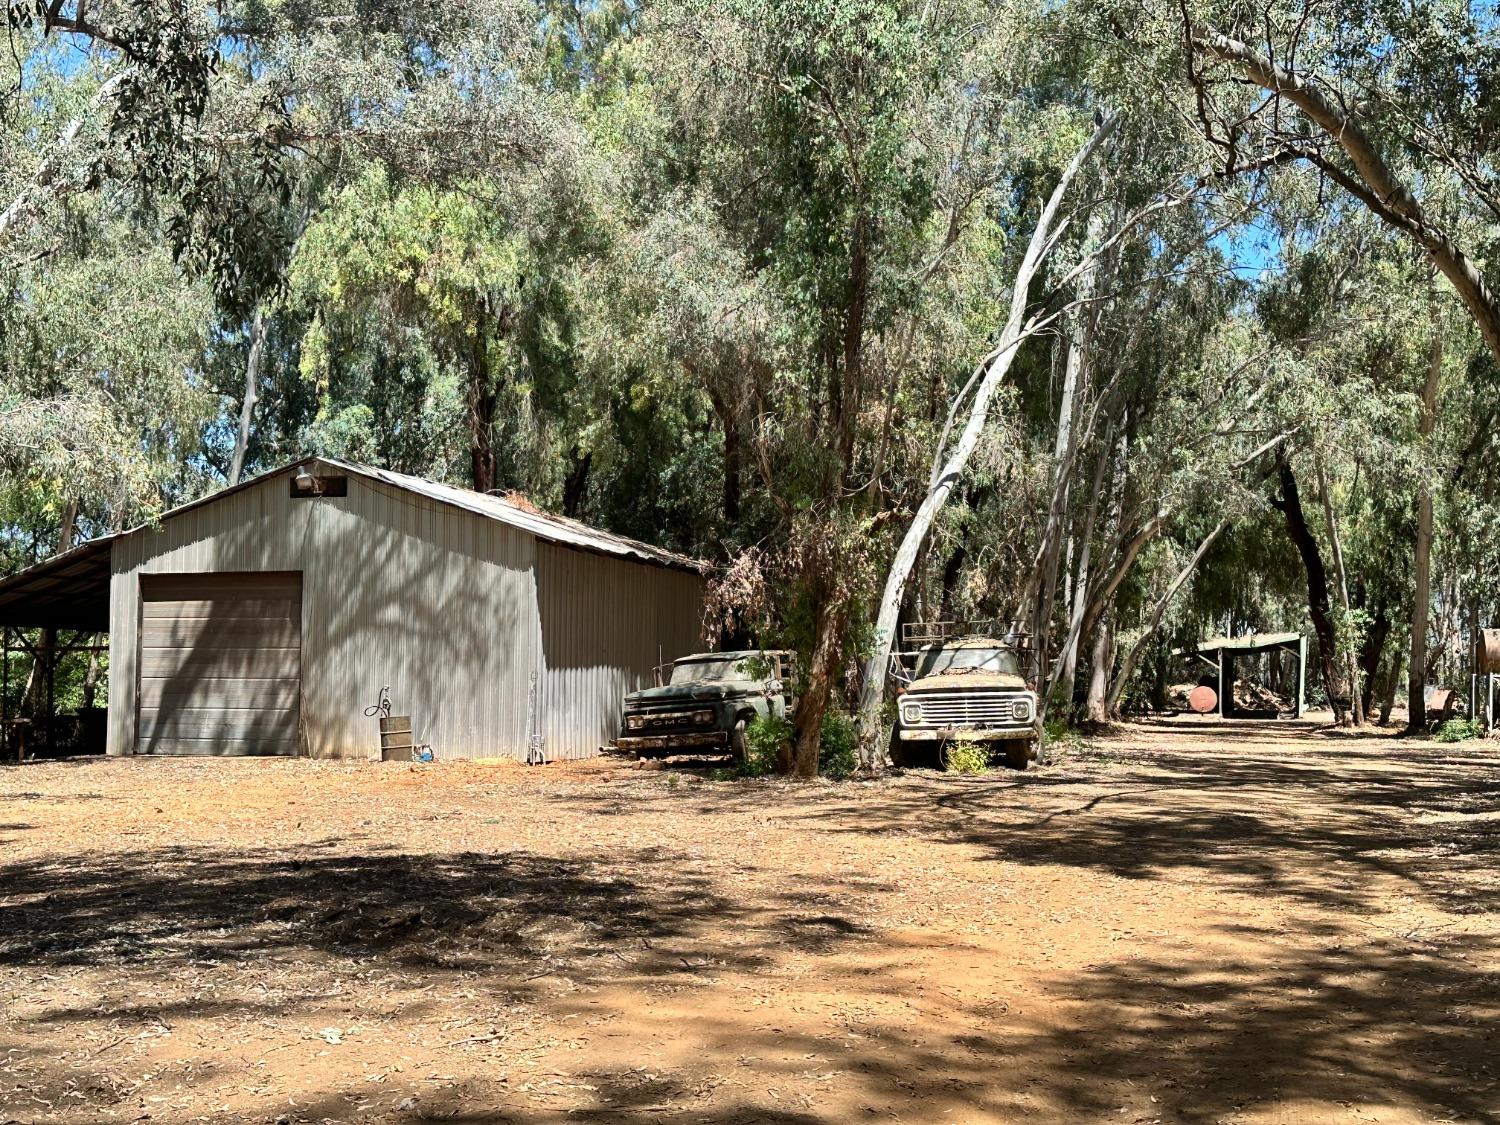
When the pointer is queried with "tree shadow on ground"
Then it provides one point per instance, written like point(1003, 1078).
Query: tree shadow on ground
point(459, 911)
point(1330, 827)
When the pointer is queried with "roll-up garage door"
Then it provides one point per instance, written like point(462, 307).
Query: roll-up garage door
point(221, 663)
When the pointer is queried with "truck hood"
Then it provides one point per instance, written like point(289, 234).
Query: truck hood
point(695, 693)
point(968, 681)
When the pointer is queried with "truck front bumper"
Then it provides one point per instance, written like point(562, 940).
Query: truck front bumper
point(969, 734)
point(699, 740)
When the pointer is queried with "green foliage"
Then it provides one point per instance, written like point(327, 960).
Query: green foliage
point(768, 742)
point(767, 739)
point(965, 757)
point(1459, 730)
point(838, 755)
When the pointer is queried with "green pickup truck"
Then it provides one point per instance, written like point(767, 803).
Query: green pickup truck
point(702, 703)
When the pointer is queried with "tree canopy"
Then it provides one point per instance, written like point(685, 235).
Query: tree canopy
point(1120, 323)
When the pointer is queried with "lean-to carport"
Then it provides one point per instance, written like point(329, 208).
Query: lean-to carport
point(48, 612)
point(1220, 654)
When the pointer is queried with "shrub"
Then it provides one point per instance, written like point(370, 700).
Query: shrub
point(1458, 730)
point(968, 757)
point(838, 755)
point(765, 739)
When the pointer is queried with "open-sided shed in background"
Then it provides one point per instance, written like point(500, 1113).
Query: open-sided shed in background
point(266, 618)
point(1222, 653)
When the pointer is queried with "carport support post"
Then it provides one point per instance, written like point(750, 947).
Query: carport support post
point(1226, 684)
point(49, 641)
point(1301, 675)
point(5, 693)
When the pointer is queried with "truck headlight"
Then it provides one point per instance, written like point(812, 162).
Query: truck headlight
point(1020, 710)
point(911, 712)
point(703, 717)
point(634, 722)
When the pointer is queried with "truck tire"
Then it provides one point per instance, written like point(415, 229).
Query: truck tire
point(1018, 754)
point(737, 747)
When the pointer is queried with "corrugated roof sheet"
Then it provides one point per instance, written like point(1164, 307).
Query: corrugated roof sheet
point(1237, 644)
point(554, 529)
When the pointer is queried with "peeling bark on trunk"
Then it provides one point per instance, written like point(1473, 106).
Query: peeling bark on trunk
point(1103, 664)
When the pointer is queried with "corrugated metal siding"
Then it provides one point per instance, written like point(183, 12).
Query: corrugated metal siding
point(398, 589)
point(602, 621)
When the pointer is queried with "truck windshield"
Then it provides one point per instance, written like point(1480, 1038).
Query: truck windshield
point(935, 661)
point(709, 671)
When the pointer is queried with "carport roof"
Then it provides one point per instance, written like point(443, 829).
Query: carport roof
point(68, 591)
point(1254, 642)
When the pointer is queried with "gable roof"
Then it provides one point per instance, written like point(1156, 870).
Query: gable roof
point(71, 590)
point(554, 529)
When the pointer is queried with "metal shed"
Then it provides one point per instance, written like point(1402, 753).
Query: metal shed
point(266, 618)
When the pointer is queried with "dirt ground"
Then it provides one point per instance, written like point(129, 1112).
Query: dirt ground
point(1194, 922)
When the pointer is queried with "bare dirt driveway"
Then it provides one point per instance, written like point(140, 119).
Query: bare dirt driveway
point(1240, 923)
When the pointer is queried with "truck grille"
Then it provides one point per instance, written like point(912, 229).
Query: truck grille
point(970, 709)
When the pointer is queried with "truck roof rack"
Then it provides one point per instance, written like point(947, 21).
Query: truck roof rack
point(936, 632)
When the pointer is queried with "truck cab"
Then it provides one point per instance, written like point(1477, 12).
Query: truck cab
point(703, 702)
point(964, 688)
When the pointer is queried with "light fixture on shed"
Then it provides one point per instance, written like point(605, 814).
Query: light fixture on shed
point(305, 482)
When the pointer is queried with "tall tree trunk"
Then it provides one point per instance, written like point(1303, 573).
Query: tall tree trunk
point(1371, 655)
point(823, 667)
point(1416, 692)
point(1290, 506)
point(844, 366)
point(252, 395)
point(1102, 663)
point(733, 455)
point(576, 483)
point(949, 468)
point(482, 403)
point(1153, 622)
point(91, 678)
point(1080, 323)
point(1341, 585)
point(951, 571)
point(1079, 602)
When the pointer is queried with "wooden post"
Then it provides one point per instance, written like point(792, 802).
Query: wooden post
point(5, 692)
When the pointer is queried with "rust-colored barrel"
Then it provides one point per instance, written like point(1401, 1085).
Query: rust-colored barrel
point(1203, 699)
point(1489, 650)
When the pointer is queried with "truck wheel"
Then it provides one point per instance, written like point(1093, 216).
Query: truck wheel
point(737, 747)
point(1018, 755)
